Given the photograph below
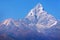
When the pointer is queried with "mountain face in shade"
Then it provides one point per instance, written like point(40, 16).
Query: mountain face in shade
point(37, 25)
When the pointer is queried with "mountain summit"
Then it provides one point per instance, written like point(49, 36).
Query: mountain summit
point(41, 18)
point(38, 24)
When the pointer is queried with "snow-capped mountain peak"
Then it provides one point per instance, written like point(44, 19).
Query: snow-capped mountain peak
point(42, 19)
point(36, 10)
point(39, 6)
point(10, 21)
point(7, 21)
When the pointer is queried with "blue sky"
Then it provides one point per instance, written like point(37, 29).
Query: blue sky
point(18, 9)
